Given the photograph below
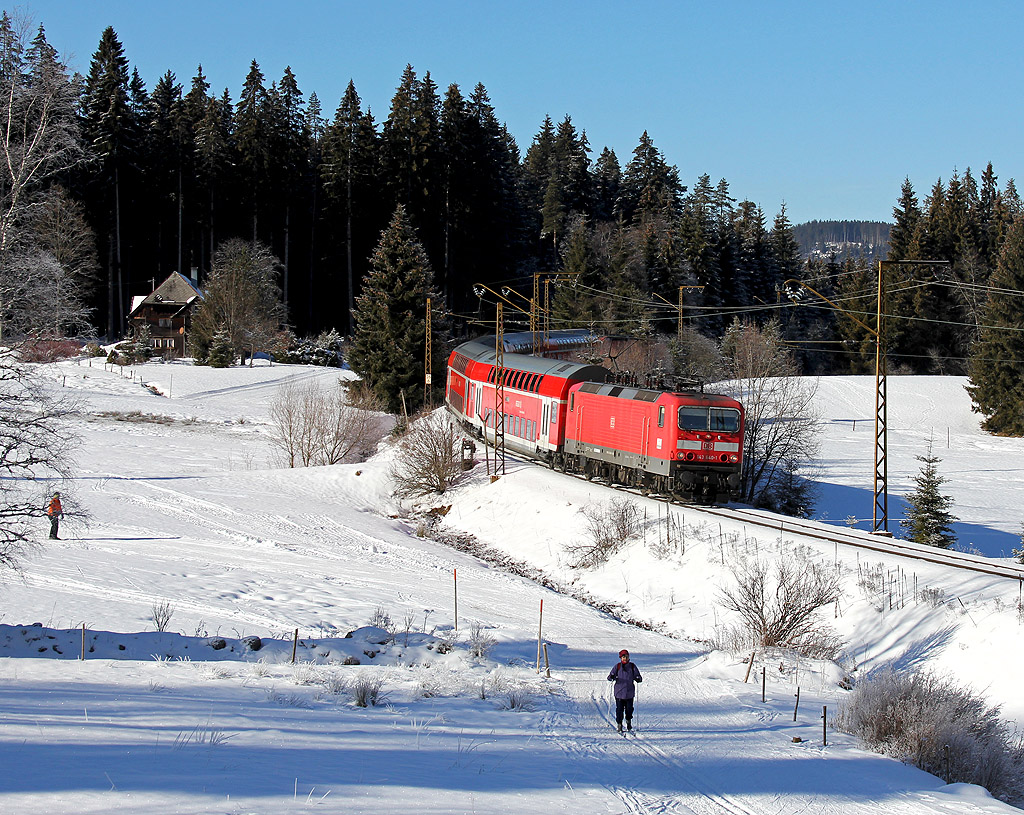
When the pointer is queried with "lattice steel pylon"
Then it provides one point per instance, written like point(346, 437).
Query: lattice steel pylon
point(499, 393)
point(880, 511)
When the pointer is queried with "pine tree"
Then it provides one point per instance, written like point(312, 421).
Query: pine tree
point(928, 519)
point(997, 360)
point(389, 340)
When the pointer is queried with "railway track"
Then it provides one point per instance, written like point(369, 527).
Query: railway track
point(865, 540)
point(809, 529)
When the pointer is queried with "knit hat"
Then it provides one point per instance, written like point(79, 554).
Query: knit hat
point(623, 653)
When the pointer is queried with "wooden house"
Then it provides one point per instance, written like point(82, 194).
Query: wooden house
point(166, 310)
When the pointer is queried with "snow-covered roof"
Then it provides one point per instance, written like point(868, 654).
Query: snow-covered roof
point(175, 290)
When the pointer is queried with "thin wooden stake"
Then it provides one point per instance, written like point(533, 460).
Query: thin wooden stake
point(540, 629)
point(749, 666)
point(295, 645)
point(796, 707)
point(824, 725)
point(764, 682)
point(83, 642)
point(547, 665)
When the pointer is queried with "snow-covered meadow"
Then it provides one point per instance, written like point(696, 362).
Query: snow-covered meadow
point(186, 507)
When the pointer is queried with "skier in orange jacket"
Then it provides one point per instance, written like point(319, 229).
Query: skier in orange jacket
point(56, 512)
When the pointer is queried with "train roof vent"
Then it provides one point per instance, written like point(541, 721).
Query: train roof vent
point(590, 387)
point(564, 367)
point(615, 391)
point(647, 396)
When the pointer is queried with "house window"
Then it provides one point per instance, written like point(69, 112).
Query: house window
point(164, 322)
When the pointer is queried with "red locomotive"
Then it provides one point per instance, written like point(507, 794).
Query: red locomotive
point(685, 444)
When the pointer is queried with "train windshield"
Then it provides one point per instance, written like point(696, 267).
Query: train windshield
point(717, 420)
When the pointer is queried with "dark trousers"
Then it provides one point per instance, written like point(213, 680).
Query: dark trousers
point(54, 523)
point(623, 706)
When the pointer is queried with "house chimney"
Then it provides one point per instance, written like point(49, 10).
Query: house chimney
point(194, 274)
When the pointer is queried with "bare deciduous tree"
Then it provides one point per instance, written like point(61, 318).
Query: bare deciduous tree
point(779, 604)
point(39, 138)
point(35, 450)
point(781, 431)
point(429, 458)
point(242, 298)
point(313, 427)
point(39, 297)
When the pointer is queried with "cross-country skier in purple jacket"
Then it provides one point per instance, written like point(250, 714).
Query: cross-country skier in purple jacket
point(624, 673)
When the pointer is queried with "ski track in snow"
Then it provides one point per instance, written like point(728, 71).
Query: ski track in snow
point(264, 551)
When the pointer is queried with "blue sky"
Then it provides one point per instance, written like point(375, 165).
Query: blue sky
point(823, 106)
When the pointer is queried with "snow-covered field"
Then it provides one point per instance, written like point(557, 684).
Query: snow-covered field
point(193, 512)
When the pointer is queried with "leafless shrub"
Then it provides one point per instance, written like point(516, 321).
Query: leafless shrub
point(778, 605)
point(334, 683)
point(933, 597)
point(730, 638)
point(260, 668)
point(312, 427)
point(446, 640)
point(162, 613)
point(480, 641)
point(609, 527)
point(781, 425)
point(429, 459)
point(306, 673)
point(381, 619)
point(518, 699)
point(367, 689)
point(931, 722)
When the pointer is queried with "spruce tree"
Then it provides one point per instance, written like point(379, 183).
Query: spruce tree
point(996, 365)
point(252, 137)
point(390, 334)
point(350, 177)
point(109, 132)
point(928, 519)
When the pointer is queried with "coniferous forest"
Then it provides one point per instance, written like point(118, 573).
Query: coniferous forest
point(171, 168)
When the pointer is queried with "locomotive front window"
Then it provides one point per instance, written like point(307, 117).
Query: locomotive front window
point(693, 418)
point(725, 420)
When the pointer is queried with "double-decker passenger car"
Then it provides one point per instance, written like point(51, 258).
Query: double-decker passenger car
point(686, 444)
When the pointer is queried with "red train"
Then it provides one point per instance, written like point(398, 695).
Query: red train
point(685, 444)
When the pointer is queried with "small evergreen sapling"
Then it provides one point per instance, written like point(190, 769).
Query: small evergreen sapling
point(1018, 553)
point(928, 519)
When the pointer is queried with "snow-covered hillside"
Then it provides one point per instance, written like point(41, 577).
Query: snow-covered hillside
point(192, 512)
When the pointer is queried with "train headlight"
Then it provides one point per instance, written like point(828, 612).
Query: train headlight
point(734, 458)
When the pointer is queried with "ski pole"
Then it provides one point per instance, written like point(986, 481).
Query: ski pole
point(636, 702)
